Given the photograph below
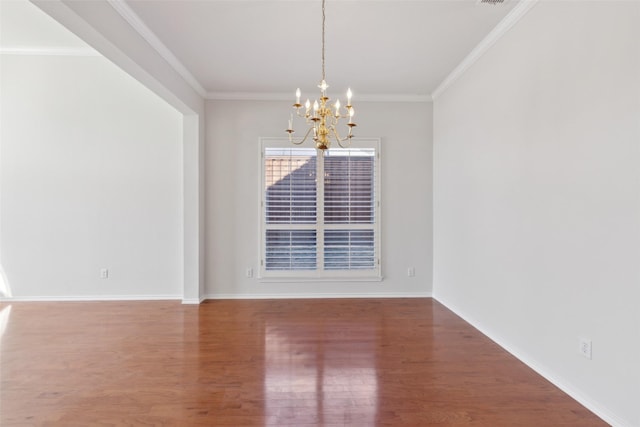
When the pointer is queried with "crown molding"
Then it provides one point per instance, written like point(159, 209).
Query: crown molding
point(248, 96)
point(266, 96)
point(145, 32)
point(394, 98)
point(49, 51)
point(500, 30)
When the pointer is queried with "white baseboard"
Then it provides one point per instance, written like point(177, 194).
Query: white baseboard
point(553, 378)
point(195, 301)
point(319, 295)
point(92, 298)
point(209, 296)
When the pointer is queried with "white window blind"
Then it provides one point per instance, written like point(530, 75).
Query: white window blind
point(327, 228)
point(349, 186)
point(290, 185)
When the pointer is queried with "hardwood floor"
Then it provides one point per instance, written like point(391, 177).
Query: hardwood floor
point(338, 362)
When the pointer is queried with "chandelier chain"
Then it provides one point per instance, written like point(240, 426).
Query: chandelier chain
point(323, 19)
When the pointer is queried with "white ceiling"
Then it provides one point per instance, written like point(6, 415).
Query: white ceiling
point(263, 47)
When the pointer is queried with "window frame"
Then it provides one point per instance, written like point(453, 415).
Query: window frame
point(320, 274)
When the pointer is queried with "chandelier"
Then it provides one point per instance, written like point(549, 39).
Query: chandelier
point(322, 120)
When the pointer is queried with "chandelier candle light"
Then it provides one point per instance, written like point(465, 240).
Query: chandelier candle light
point(322, 120)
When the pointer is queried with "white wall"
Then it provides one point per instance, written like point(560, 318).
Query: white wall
point(537, 198)
point(233, 197)
point(91, 165)
point(102, 24)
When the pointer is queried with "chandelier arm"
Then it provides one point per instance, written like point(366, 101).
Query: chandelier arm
point(344, 146)
point(340, 140)
point(306, 135)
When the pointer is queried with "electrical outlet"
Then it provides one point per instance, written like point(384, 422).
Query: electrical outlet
point(104, 273)
point(411, 271)
point(585, 348)
point(249, 272)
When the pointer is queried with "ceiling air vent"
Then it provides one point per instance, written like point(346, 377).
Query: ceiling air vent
point(494, 2)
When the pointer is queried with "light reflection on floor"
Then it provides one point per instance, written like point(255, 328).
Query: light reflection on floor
point(5, 312)
point(5, 289)
point(329, 381)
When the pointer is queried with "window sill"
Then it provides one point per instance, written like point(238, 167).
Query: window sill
point(289, 279)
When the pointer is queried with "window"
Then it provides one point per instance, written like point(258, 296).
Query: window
point(320, 228)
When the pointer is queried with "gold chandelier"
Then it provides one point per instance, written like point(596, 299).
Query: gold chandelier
point(322, 120)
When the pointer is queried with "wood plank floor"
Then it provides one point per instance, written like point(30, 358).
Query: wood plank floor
point(334, 362)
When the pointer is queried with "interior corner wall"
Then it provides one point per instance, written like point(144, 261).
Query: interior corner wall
point(537, 198)
point(233, 199)
point(91, 178)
